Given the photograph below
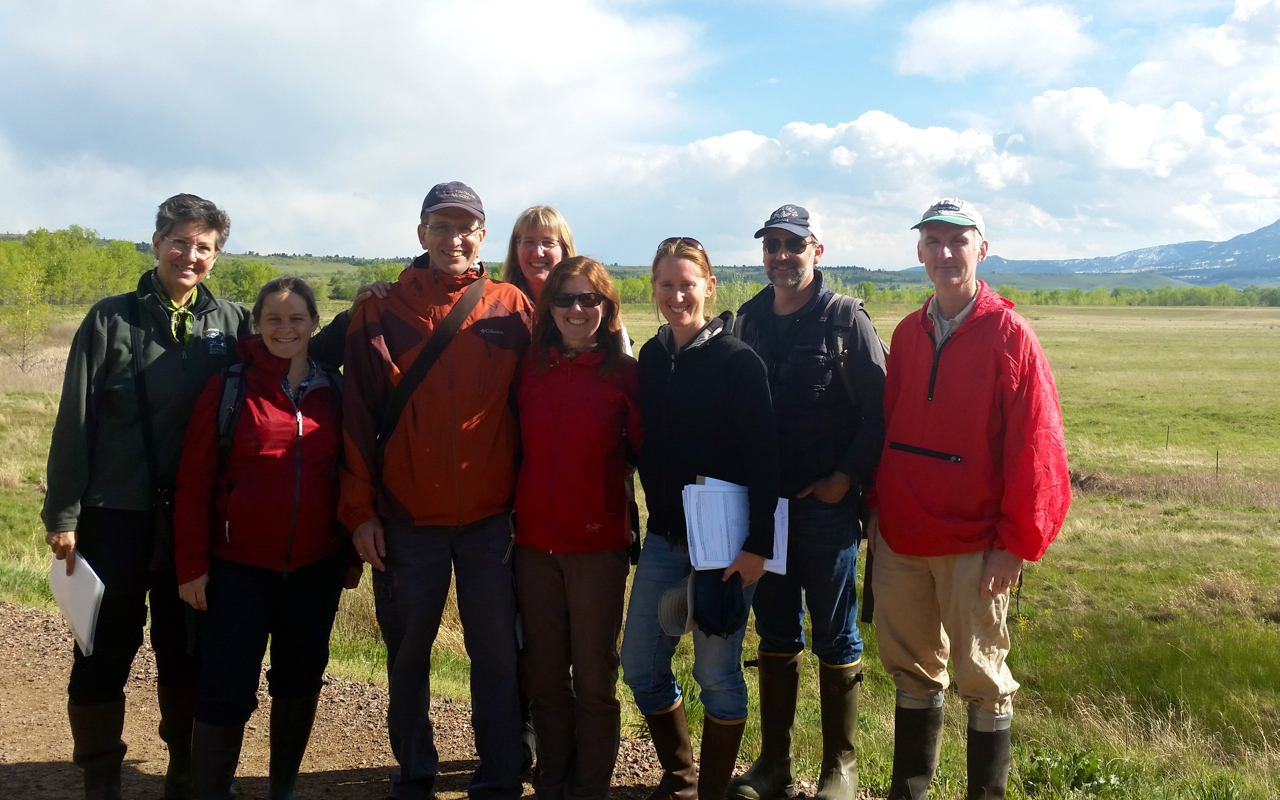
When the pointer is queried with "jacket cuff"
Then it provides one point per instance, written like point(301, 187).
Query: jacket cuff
point(760, 543)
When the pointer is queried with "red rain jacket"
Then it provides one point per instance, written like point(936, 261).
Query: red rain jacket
point(575, 428)
point(974, 455)
point(275, 503)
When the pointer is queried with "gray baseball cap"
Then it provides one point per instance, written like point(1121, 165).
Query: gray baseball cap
point(955, 211)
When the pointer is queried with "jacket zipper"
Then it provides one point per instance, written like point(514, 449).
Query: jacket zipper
point(924, 451)
point(297, 486)
point(937, 355)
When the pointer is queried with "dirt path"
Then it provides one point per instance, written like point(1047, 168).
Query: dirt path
point(348, 758)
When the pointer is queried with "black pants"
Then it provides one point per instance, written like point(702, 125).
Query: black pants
point(246, 605)
point(119, 546)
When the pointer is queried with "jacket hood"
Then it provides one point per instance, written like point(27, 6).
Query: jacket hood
point(714, 327)
point(987, 302)
point(421, 270)
point(254, 353)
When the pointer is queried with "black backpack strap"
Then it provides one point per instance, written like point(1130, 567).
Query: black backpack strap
point(140, 384)
point(841, 312)
point(230, 404)
point(427, 358)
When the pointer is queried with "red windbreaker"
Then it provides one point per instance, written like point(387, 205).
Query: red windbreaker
point(575, 428)
point(275, 503)
point(451, 458)
point(974, 455)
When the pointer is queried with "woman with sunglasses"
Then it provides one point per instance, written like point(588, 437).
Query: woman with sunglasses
point(704, 401)
point(579, 419)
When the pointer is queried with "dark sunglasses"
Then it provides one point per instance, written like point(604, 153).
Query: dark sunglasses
point(689, 240)
point(796, 244)
point(586, 299)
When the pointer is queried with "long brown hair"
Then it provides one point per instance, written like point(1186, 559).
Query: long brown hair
point(608, 336)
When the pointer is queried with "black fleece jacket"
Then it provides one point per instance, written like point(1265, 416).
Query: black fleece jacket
point(706, 412)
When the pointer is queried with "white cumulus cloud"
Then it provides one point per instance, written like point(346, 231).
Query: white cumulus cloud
point(961, 38)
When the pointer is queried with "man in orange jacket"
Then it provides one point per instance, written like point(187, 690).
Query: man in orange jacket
point(972, 481)
point(433, 497)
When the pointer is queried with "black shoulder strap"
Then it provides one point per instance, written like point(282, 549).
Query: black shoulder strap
point(841, 312)
point(140, 384)
point(428, 356)
point(230, 404)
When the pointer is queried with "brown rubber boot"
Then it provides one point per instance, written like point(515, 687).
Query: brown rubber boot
point(176, 705)
point(838, 692)
point(773, 775)
point(720, 742)
point(670, 733)
point(97, 747)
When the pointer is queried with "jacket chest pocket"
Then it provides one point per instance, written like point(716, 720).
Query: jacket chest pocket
point(806, 367)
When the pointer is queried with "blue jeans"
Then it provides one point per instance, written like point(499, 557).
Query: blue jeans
point(421, 561)
point(647, 651)
point(822, 562)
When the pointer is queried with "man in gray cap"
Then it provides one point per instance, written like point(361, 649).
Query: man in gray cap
point(972, 481)
point(428, 479)
point(826, 376)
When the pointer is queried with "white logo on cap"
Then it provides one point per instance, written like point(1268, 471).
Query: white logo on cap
point(786, 211)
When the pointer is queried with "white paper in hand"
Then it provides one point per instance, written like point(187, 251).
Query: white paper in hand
point(79, 595)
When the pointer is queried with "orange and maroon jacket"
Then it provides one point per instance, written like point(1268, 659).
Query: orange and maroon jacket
point(451, 458)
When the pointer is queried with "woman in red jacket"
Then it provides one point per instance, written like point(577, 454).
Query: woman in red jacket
point(257, 548)
point(578, 418)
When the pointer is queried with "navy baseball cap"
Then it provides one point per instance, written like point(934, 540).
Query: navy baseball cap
point(794, 219)
point(454, 194)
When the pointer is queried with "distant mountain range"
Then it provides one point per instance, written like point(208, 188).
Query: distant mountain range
point(1248, 259)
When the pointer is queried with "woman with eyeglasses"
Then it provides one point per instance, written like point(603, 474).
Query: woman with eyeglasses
point(704, 402)
point(136, 365)
point(578, 422)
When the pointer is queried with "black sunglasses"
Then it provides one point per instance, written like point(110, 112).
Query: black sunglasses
point(689, 240)
point(586, 299)
point(796, 244)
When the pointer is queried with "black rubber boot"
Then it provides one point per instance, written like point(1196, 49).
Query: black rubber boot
point(97, 747)
point(670, 733)
point(176, 705)
point(291, 721)
point(838, 691)
point(917, 738)
point(720, 743)
point(988, 757)
point(772, 775)
point(215, 753)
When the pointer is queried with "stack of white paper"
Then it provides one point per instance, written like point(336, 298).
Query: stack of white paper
point(716, 515)
point(79, 595)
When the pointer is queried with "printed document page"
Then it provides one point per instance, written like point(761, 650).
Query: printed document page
point(79, 595)
point(716, 514)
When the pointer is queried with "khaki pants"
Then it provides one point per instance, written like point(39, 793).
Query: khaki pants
point(928, 609)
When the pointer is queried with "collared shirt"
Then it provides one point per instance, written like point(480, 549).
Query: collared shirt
point(945, 327)
point(296, 394)
point(180, 316)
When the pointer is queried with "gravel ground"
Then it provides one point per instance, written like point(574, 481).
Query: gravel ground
point(348, 758)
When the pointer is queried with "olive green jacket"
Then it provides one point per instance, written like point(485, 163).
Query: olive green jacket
point(97, 457)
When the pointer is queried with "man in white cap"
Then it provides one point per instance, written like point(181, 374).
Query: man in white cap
point(826, 377)
point(972, 481)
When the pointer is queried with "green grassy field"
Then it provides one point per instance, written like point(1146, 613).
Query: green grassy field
point(1146, 640)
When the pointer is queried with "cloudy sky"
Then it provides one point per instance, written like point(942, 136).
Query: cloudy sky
point(1080, 129)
